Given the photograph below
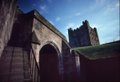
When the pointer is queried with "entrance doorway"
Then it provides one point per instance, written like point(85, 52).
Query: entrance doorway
point(49, 62)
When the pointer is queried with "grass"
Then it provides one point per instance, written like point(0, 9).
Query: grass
point(100, 51)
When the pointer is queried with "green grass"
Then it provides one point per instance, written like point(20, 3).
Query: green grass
point(100, 51)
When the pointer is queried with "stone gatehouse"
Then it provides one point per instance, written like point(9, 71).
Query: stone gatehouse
point(31, 48)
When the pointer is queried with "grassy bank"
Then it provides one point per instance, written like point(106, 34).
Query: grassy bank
point(100, 51)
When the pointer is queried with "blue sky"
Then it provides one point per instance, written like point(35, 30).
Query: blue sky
point(63, 14)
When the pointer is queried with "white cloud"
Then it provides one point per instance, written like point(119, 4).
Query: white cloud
point(73, 15)
point(71, 25)
point(97, 3)
point(43, 7)
point(106, 4)
point(110, 8)
point(58, 19)
point(100, 2)
point(107, 33)
point(77, 14)
point(95, 25)
point(117, 4)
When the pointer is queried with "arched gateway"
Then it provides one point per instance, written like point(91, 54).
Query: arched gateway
point(49, 64)
point(34, 48)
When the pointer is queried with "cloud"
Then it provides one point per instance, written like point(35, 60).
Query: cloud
point(117, 4)
point(96, 26)
point(73, 15)
point(71, 25)
point(58, 19)
point(100, 2)
point(111, 8)
point(97, 3)
point(107, 33)
point(43, 7)
point(77, 14)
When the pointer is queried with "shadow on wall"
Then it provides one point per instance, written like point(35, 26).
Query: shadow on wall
point(105, 70)
point(49, 63)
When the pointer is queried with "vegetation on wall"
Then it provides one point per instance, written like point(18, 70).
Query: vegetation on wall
point(100, 51)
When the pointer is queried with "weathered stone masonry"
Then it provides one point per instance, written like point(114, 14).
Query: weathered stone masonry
point(25, 36)
point(7, 17)
point(83, 36)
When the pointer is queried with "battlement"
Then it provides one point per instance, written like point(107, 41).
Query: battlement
point(83, 35)
point(86, 23)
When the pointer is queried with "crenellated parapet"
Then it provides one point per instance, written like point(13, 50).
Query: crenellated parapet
point(84, 35)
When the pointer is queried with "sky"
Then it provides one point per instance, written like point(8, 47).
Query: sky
point(63, 14)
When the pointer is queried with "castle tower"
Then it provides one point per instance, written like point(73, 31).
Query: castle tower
point(83, 36)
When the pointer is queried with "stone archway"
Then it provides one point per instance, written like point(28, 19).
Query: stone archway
point(49, 69)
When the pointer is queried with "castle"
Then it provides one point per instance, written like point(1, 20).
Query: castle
point(33, 50)
point(83, 36)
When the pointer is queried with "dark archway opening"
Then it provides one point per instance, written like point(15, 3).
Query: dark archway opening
point(49, 71)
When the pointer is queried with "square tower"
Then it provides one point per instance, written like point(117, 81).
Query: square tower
point(83, 36)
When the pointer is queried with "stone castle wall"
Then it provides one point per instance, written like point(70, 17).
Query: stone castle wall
point(31, 31)
point(7, 15)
